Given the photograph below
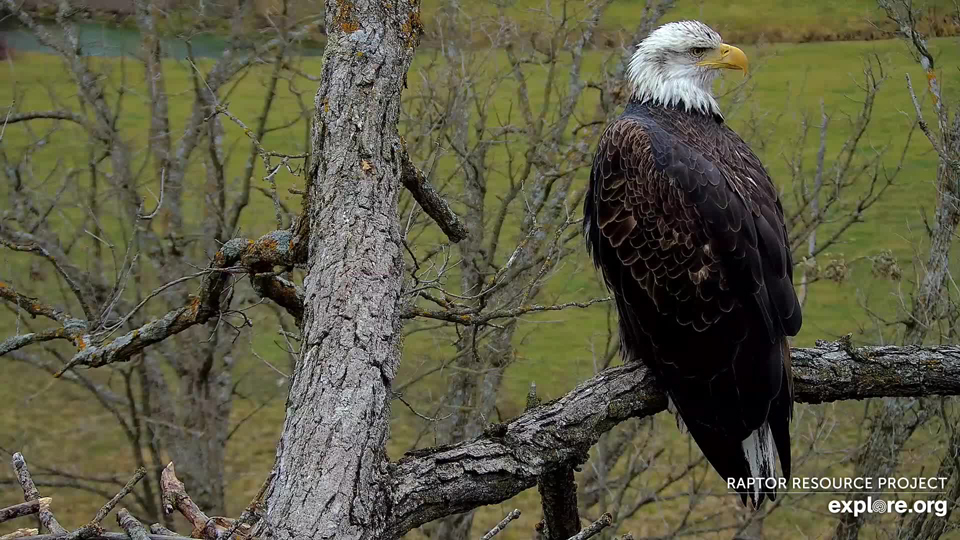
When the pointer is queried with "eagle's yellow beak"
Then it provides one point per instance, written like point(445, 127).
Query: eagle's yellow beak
point(725, 57)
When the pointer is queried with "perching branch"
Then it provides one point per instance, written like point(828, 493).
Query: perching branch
point(509, 458)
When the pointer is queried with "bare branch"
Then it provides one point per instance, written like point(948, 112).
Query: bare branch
point(22, 340)
point(31, 305)
point(466, 317)
point(594, 529)
point(104, 536)
point(30, 493)
point(20, 533)
point(36, 248)
point(502, 525)
point(175, 497)
point(46, 115)
point(251, 512)
point(430, 200)
point(127, 488)
point(23, 509)
point(276, 248)
point(134, 528)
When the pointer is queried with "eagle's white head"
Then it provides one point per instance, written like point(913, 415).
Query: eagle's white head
point(677, 63)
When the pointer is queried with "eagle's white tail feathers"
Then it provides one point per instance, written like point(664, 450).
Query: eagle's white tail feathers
point(672, 407)
point(760, 452)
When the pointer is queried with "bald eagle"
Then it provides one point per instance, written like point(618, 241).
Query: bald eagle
point(687, 229)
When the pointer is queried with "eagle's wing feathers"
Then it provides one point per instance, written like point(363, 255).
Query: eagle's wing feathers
point(742, 216)
point(653, 230)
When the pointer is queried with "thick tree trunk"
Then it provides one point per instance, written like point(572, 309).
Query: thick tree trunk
point(331, 460)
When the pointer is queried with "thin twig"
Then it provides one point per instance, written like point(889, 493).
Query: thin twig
point(594, 529)
point(151, 215)
point(502, 525)
point(94, 527)
point(106, 508)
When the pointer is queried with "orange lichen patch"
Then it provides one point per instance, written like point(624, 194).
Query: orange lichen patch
point(343, 19)
point(263, 248)
point(412, 28)
point(931, 81)
point(194, 305)
point(80, 343)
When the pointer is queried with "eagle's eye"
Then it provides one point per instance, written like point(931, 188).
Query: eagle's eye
point(699, 51)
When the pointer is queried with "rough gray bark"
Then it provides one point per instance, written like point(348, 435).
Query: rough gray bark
point(331, 464)
point(558, 496)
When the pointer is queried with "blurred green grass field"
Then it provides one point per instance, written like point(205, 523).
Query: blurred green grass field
point(737, 20)
point(55, 423)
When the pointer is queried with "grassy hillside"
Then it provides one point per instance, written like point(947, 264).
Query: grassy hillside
point(739, 20)
point(55, 423)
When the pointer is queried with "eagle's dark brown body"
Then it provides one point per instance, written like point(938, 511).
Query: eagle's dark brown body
point(687, 228)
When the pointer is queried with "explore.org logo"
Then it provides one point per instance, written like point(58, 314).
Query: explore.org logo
point(857, 489)
point(880, 506)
